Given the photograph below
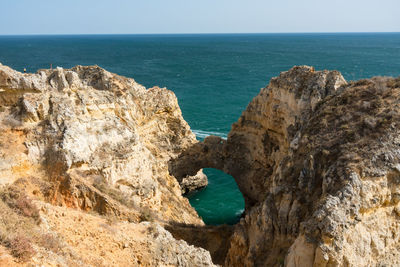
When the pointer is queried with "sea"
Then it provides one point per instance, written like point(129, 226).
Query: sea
point(214, 76)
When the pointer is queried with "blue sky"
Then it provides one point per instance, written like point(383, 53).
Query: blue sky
point(190, 16)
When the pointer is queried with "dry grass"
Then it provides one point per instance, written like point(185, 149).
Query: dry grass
point(50, 242)
point(19, 230)
point(145, 213)
point(27, 208)
point(20, 202)
point(115, 194)
point(21, 248)
point(394, 83)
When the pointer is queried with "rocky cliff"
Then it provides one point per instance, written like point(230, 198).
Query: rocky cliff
point(93, 167)
point(317, 160)
point(93, 141)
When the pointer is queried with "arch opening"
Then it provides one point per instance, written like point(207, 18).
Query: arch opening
point(221, 202)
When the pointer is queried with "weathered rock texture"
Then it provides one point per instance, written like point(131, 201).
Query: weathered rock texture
point(88, 126)
point(91, 140)
point(318, 162)
point(316, 158)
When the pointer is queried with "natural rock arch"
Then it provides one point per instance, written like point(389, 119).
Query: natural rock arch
point(225, 155)
point(264, 135)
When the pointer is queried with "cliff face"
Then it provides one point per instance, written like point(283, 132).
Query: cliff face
point(317, 161)
point(91, 140)
point(86, 125)
point(93, 166)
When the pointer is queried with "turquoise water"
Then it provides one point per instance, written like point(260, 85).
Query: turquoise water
point(221, 201)
point(213, 76)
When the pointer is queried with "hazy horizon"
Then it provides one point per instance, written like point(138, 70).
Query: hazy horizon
point(194, 33)
point(47, 17)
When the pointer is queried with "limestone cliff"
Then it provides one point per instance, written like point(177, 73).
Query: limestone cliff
point(318, 163)
point(93, 166)
point(90, 140)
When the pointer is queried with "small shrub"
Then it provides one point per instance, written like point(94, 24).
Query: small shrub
point(16, 229)
point(115, 194)
point(111, 219)
point(162, 181)
point(21, 248)
point(153, 230)
point(394, 83)
point(20, 202)
point(50, 242)
point(381, 84)
point(361, 82)
point(27, 207)
point(108, 227)
point(281, 261)
point(13, 123)
point(132, 218)
point(146, 215)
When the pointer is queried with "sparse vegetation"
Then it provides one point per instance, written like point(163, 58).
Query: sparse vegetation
point(108, 227)
point(114, 193)
point(153, 230)
point(50, 242)
point(19, 218)
point(20, 202)
point(146, 215)
point(26, 207)
point(17, 231)
point(111, 219)
point(21, 248)
point(381, 83)
point(394, 83)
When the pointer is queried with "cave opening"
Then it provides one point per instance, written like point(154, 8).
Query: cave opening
point(220, 202)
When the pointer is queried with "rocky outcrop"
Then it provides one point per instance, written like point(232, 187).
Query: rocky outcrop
point(317, 161)
point(262, 137)
point(87, 139)
point(93, 167)
point(86, 127)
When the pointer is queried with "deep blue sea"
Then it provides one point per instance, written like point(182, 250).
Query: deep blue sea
point(214, 76)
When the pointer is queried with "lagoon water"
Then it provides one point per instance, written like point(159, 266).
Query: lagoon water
point(214, 76)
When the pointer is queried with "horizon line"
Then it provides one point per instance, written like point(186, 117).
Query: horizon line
point(205, 33)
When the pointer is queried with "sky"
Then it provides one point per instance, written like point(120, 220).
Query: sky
point(197, 16)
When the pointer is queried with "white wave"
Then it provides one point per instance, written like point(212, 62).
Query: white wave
point(239, 212)
point(204, 134)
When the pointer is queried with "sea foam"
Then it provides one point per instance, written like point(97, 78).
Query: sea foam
point(203, 134)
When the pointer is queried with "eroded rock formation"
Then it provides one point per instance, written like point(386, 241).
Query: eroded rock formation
point(87, 139)
point(317, 160)
point(93, 166)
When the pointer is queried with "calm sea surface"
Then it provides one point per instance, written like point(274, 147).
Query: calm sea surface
point(213, 76)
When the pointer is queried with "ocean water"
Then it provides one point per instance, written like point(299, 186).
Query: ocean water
point(213, 76)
